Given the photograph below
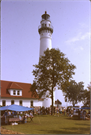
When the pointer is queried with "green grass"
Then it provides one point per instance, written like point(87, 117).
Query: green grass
point(52, 125)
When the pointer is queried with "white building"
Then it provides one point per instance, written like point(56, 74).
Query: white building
point(19, 94)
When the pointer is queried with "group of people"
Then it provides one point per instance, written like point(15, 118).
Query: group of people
point(81, 113)
point(23, 116)
point(28, 114)
point(48, 111)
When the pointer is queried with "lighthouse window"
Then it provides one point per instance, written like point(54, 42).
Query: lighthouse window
point(42, 25)
point(45, 25)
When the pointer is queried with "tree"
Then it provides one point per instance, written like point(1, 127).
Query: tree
point(87, 94)
point(52, 70)
point(74, 92)
point(58, 103)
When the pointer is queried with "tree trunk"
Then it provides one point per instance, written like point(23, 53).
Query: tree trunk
point(73, 103)
point(52, 102)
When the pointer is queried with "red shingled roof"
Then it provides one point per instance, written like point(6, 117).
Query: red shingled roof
point(15, 86)
point(25, 87)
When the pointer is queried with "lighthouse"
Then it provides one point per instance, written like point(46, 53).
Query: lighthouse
point(45, 30)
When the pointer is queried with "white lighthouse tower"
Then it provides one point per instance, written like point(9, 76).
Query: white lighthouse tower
point(45, 30)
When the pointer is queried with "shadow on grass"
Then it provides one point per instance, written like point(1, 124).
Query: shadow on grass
point(69, 131)
point(69, 118)
point(40, 115)
point(83, 124)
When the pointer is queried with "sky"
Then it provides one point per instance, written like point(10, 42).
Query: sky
point(20, 40)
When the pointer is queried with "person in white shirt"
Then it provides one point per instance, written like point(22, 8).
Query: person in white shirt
point(31, 115)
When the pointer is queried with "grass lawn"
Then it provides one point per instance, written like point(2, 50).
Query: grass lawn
point(47, 124)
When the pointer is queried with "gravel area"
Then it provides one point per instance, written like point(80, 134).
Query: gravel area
point(5, 131)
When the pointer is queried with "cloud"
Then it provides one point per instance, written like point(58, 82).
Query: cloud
point(78, 37)
point(83, 25)
point(86, 35)
point(78, 49)
point(74, 41)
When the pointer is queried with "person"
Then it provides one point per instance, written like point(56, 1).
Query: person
point(64, 111)
point(26, 113)
point(54, 111)
point(38, 111)
point(15, 114)
point(84, 114)
point(31, 115)
point(3, 119)
point(88, 114)
point(6, 116)
point(41, 111)
point(12, 113)
point(24, 119)
point(58, 112)
point(9, 113)
point(50, 111)
point(20, 118)
point(79, 114)
point(61, 110)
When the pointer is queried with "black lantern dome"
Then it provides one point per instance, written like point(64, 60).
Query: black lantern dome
point(45, 16)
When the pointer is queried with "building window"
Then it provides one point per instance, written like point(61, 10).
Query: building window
point(14, 92)
point(18, 92)
point(20, 102)
point(12, 102)
point(31, 103)
point(3, 103)
point(45, 25)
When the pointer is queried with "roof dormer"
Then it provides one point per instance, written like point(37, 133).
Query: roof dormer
point(15, 89)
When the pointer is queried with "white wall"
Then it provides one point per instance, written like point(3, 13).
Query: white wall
point(38, 103)
point(25, 102)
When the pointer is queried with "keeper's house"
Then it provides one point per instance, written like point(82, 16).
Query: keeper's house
point(17, 93)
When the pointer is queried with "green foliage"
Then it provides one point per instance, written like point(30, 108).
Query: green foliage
point(86, 96)
point(74, 92)
point(52, 70)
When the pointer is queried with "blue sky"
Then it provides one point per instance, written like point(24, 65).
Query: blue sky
point(20, 40)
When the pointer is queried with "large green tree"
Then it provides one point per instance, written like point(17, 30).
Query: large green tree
point(52, 70)
point(74, 92)
point(87, 96)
